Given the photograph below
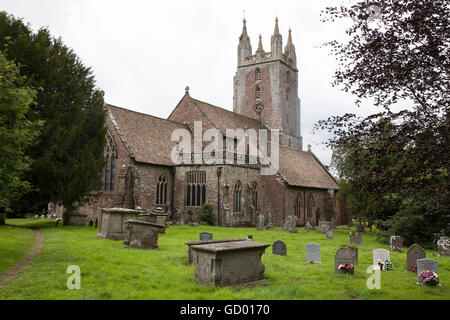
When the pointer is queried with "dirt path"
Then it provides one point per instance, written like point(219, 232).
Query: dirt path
point(14, 272)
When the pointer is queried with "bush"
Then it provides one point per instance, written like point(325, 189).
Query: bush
point(207, 214)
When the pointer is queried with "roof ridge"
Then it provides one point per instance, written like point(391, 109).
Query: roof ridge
point(145, 114)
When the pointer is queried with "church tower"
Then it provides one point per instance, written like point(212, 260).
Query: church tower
point(266, 86)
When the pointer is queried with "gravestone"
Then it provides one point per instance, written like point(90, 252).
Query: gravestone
point(396, 243)
point(206, 236)
point(269, 223)
point(443, 247)
point(425, 265)
point(290, 224)
point(356, 238)
point(382, 255)
point(324, 226)
point(279, 248)
point(330, 235)
point(414, 253)
point(308, 227)
point(142, 235)
point(313, 253)
point(260, 222)
point(343, 255)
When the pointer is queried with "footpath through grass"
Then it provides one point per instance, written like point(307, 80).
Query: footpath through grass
point(108, 271)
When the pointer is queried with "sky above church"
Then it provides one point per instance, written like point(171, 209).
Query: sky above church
point(144, 53)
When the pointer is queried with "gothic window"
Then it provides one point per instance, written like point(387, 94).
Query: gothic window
point(161, 190)
point(310, 206)
point(258, 75)
point(195, 188)
point(255, 195)
point(288, 92)
point(237, 196)
point(109, 172)
point(288, 75)
point(297, 205)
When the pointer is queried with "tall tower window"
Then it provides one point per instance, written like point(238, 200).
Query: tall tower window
point(297, 205)
point(258, 75)
point(288, 92)
point(257, 93)
point(161, 190)
point(255, 195)
point(195, 188)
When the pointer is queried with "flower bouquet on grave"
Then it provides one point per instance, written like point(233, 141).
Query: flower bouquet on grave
point(429, 278)
point(347, 268)
point(388, 265)
point(380, 264)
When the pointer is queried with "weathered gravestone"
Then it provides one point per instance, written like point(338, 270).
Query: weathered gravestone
point(260, 222)
point(414, 253)
point(269, 223)
point(356, 238)
point(279, 248)
point(380, 255)
point(313, 253)
point(308, 227)
point(324, 226)
point(426, 265)
point(142, 235)
point(290, 224)
point(396, 243)
point(330, 235)
point(443, 247)
point(206, 236)
point(344, 256)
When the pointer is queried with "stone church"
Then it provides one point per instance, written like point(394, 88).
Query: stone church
point(140, 172)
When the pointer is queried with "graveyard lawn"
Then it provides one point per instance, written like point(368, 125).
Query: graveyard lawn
point(109, 271)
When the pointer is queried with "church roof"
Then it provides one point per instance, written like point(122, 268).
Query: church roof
point(303, 169)
point(147, 138)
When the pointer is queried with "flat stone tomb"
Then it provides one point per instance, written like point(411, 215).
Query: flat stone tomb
point(112, 222)
point(143, 235)
point(192, 257)
point(414, 253)
point(206, 236)
point(279, 248)
point(235, 263)
point(382, 255)
point(313, 253)
point(343, 255)
point(424, 265)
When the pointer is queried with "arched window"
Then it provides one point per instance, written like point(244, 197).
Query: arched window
point(310, 206)
point(288, 92)
point(255, 195)
point(288, 75)
point(109, 172)
point(297, 205)
point(258, 74)
point(161, 190)
point(195, 188)
point(237, 196)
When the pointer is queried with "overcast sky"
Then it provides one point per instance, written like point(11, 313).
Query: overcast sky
point(144, 53)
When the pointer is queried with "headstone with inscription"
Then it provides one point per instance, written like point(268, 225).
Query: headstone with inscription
point(344, 256)
point(313, 253)
point(260, 222)
point(396, 243)
point(426, 265)
point(380, 255)
point(414, 253)
point(279, 248)
point(206, 236)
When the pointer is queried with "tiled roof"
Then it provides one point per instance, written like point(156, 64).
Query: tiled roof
point(303, 169)
point(147, 138)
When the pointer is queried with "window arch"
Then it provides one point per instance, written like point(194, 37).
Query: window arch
point(108, 173)
point(310, 206)
point(237, 196)
point(297, 205)
point(258, 74)
point(195, 188)
point(255, 195)
point(161, 190)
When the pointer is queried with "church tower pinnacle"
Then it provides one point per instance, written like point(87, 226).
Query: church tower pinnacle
point(266, 86)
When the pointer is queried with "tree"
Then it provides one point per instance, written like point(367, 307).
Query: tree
point(68, 156)
point(16, 133)
point(397, 55)
point(207, 215)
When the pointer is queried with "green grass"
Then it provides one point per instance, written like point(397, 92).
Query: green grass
point(14, 245)
point(108, 271)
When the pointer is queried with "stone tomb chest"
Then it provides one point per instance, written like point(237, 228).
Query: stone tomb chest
point(142, 235)
point(230, 263)
point(112, 222)
point(192, 257)
point(77, 220)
